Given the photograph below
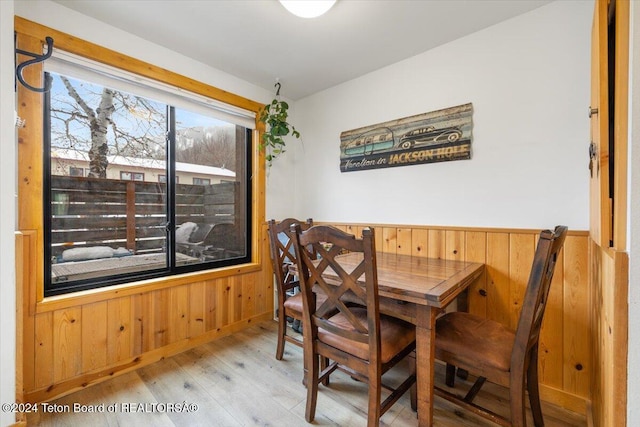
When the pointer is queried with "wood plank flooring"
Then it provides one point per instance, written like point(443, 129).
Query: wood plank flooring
point(236, 381)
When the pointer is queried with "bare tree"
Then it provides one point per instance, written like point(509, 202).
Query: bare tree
point(99, 121)
point(104, 122)
point(207, 146)
point(136, 123)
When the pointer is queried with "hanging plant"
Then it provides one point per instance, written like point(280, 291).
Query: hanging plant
point(274, 115)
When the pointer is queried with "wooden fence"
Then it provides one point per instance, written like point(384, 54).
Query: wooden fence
point(131, 214)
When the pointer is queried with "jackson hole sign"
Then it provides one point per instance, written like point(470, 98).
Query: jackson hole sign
point(438, 136)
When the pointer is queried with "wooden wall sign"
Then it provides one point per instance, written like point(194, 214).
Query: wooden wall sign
point(438, 136)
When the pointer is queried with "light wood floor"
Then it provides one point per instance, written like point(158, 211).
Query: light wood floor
point(236, 381)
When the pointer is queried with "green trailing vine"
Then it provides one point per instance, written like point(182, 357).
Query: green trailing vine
point(274, 115)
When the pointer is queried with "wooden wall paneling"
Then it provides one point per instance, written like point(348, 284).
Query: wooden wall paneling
point(26, 340)
point(120, 337)
point(265, 292)
point(608, 384)
point(42, 366)
point(178, 326)
point(419, 242)
point(497, 269)
point(224, 302)
point(403, 241)
point(597, 340)
point(19, 242)
point(197, 309)
point(476, 251)
point(576, 315)
point(30, 165)
point(94, 336)
point(606, 332)
point(379, 238)
point(620, 336)
point(454, 245)
point(437, 244)
point(248, 296)
point(264, 297)
point(235, 298)
point(211, 305)
point(356, 230)
point(161, 322)
point(389, 240)
point(551, 344)
point(138, 325)
point(67, 343)
point(522, 248)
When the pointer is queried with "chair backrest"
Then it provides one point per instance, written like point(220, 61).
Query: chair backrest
point(535, 300)
point(282, 249)
point(342, 286)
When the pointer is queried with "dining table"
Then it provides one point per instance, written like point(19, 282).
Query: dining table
point(418, 289)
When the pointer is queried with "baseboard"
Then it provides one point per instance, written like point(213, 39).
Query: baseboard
point(563, 399)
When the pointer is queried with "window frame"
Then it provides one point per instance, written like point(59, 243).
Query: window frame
point(30, 37)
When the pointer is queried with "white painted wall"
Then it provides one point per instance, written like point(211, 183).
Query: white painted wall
point(633, 363)
point(528, 80)
point(7, 209)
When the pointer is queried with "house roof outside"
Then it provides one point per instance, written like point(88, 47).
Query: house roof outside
point(68, 154)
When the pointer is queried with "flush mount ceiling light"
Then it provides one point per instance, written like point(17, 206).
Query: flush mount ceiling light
point(307, 8)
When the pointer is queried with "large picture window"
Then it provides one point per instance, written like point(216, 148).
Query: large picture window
point(166, 187)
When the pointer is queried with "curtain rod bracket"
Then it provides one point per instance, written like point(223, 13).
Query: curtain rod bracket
point(36, 59)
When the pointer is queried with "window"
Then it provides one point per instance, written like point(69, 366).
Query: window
point(163, 178)
point(113, 226)
point(73, 171)
point(201, 181)
point(132, 176)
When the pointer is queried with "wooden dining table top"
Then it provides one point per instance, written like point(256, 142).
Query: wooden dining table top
point(422, 281)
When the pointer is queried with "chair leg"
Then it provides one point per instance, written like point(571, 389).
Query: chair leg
point(324, 364)
point(517, 394)
point(282, 330)
point(312, 387)
point(413, 391)
point(450, 376)
point(532, 387)
point(375, 395)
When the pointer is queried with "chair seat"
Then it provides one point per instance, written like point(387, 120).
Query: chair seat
point(475, 341)
point(293, 304)
point(395, 335)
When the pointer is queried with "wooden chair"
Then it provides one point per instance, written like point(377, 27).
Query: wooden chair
point(354, 337)
point(282, 256)
point(492, 351)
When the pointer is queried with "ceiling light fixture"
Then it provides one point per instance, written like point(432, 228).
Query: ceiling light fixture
point(308, 8)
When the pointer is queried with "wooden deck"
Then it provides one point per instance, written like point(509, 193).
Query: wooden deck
point(236, 381)
point(77, 270)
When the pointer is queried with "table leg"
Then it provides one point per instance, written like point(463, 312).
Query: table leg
point(425, 351)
